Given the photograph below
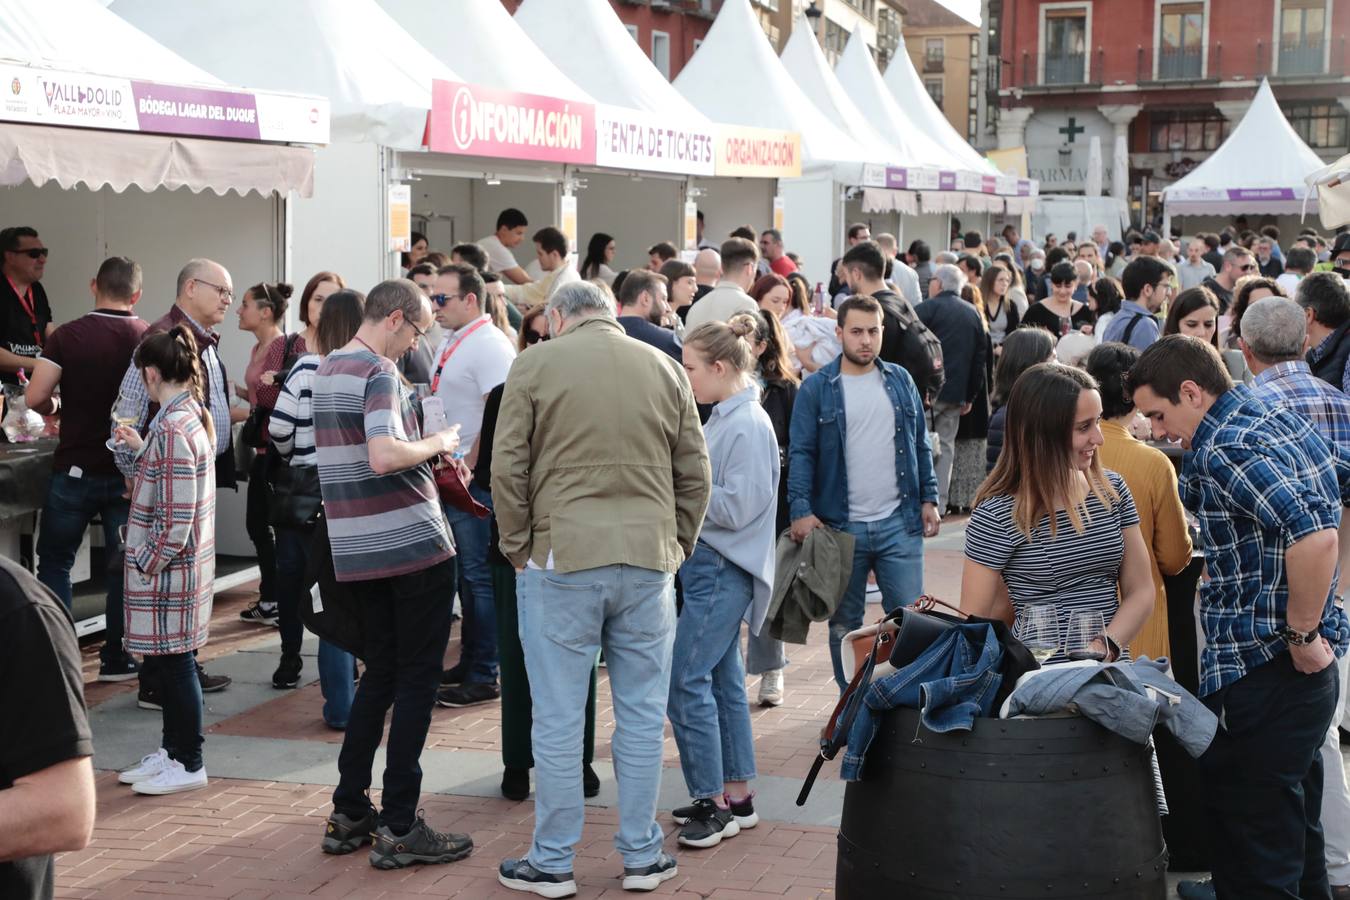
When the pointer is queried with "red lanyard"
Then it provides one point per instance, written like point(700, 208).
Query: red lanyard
point(26, 301)
point(436, 378)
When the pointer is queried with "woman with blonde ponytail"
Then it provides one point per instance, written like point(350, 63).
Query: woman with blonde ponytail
point(170, 554)
point(727, 579)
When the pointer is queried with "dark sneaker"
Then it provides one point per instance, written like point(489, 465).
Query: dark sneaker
point(287, 674)
point(343, 834)
point(590, 782)
point(743, 811)
point(259, 614)
point(148, 697)
point(213, 683)
point(519, 875)
point(456, 696)
point(420, 845)
point(123, 669)
point(708, 825)
point(649, 878)
point(515, 784)
point(454, 675)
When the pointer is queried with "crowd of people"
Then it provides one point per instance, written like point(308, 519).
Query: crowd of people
point(424, 447)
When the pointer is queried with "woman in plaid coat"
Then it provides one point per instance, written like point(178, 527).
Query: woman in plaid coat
point(170, 563)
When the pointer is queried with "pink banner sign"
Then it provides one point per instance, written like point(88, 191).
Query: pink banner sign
point(472, 120)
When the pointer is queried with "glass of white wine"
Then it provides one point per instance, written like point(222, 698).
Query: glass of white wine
point(122, 413)
point(1040, 631)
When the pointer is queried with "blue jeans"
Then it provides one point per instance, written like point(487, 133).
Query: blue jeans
point(888, 548)
point(565, 619)
point(478, 634)
point(335, 665)
point(764, 652)
point(180, 693)
point(72, 503)
point(709, 711)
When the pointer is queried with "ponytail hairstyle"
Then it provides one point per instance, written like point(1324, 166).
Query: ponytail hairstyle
point(727, 342)
point(774, 362)
point(174, 354)
point(273, 297)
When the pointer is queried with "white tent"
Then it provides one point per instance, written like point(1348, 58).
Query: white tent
point(497, 53)
point(1260, 169)
point(907, 88)
point(1332, 184)
point(735, 77)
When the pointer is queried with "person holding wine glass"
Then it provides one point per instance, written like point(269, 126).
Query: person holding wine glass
point(1059, 313)
point(1053, 533)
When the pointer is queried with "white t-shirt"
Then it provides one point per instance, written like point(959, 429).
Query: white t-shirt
point(478, 364)
point(869, 447)
point(499, 257)
point(1289, 281)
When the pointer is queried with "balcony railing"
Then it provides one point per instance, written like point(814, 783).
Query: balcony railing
point(1068, 68)
point(932, 63)
point(1177, 63)
point(1301, 58)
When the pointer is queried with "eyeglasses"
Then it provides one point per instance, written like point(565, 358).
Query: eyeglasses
point(534, 337)
point(225, 293)
point(1341, 262)
point(33, 252)
point(420, 332)
point(442, 299)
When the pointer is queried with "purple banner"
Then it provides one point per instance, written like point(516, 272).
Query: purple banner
point(1023, 187)
point(897, 178)
point(196, 111)
point(946, 181)
point(1261, 194)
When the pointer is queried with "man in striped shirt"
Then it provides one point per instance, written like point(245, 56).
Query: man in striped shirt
point(390, 542)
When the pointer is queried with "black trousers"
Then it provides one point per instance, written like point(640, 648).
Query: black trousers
point(1263, 783)
point(258, 524)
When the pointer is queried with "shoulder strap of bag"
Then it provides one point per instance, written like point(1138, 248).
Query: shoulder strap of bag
point(833, 737)
point(1129, 328)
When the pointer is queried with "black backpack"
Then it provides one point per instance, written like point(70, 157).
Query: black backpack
point(907, 342)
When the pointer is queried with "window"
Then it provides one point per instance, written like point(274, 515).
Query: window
point(932, 49)
point(1181, 38)
point(1302, 29)
point(934, 88)
point(972, 127)
point(1321, 125)
point(661, 52)
point(632, 32)
point(1187, 129)
point(1065, 45)
point(835, 39)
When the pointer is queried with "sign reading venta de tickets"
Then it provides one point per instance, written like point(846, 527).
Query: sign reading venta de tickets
point(82, 100)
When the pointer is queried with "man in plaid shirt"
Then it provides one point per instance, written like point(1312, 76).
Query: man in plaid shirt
point(1268, 492)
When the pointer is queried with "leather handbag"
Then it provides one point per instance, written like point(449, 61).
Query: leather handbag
point(295, 499)
point(454, 491)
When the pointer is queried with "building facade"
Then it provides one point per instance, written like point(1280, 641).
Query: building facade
point(945, 50)
point(1170, 77)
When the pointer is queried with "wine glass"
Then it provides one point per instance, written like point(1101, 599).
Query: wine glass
point(1040, 631)
point(123, 412)
point(1086, 627)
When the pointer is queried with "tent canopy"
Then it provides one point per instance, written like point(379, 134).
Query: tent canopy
point(377, 76)
point(500, 53)
point(907, 88)
point(736, 61)
point(1260, 168)
point(587, 40)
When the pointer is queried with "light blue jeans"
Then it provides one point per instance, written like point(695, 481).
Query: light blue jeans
point(565, 619)
point(764, 652)
point(709, 711)
point(888, 548)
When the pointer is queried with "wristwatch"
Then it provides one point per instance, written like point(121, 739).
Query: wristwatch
point(1294, 637)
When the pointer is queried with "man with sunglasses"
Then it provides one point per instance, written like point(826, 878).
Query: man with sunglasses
point(473, 359)
point(25, 315)
point(1238, 263)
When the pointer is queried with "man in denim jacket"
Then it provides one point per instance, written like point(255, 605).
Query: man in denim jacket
point(860, 462)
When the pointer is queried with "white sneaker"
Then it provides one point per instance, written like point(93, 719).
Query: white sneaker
point(149, 766)
point(771, 688)
point(172, 779)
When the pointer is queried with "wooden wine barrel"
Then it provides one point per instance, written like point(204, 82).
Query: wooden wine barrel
point(1048, 808)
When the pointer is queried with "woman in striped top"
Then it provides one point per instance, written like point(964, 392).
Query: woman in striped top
point(1050, 525)
point(292, 431)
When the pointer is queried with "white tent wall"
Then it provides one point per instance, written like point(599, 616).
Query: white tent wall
point(932, 228)
point(728, 203)
point(635, 212)
point(341, 228)
point(813, 221)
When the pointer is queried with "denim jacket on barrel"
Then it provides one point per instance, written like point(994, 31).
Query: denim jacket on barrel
point(951, 683)
point(817, 476)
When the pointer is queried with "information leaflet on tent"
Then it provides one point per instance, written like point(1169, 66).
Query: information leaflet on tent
point(632, 139)
point(758, 152)
point(472, 120)
point(82, 100)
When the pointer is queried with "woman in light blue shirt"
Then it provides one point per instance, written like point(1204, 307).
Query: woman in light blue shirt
point(729, 578)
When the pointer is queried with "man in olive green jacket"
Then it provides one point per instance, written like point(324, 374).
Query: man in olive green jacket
point(600, 479)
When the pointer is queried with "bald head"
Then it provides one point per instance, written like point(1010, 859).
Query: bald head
point(707, 266)
point(205, 291)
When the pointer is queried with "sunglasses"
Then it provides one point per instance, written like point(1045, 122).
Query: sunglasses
point(534, 337)
point(442, 299)
point(1249, 267)
point(33, 252)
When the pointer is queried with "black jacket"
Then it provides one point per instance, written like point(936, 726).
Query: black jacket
point(957, 325)
point(777, 400)
point(652, 335)
point(994, 442)
point(1330, 365)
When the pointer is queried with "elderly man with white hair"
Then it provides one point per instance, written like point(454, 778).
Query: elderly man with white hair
point(958, 326)
point(1273, 334)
